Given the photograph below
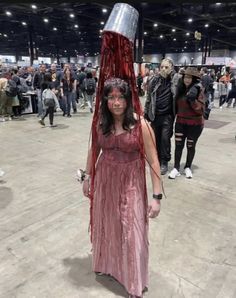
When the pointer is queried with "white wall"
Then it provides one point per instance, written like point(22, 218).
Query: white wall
point(232, 55)
point(154, 58)
point(7, 58)
point(177, 58)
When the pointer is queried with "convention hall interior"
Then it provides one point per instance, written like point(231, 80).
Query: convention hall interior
point(45, 217)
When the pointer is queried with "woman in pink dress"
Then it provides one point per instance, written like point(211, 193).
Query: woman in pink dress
point(120, 210)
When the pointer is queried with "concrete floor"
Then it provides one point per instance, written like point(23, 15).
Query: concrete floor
point(45, 250)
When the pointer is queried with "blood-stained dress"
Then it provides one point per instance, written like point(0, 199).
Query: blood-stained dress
point(120, 224)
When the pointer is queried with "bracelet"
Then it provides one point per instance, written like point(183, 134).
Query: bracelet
point(86, 177)
point(157, 197)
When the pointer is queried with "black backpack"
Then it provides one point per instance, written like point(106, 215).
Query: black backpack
point(90, 86)
point(11, 88)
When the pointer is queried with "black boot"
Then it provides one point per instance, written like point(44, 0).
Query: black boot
point(164, 167)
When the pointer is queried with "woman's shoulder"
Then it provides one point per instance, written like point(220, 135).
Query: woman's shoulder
point(140, 119)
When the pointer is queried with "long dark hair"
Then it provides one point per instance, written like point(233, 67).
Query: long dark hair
point(182, 89)
point(107, 120)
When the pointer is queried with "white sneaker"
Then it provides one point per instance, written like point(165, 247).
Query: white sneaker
point(2, 119)
point(1, 173)
point(188, 173)
point(9, 118)
point(174, 173)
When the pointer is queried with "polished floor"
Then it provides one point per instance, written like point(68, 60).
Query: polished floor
point(45, 250)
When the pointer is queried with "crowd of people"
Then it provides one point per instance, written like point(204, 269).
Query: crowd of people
point(176, 103)
point(72, 88)
point(179, 102)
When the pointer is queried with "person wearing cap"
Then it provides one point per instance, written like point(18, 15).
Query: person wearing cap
point(159, 110)
point(189, 123)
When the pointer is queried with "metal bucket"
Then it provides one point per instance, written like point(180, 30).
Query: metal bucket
point(123, 20)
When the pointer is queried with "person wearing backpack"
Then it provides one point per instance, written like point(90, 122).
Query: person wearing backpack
point(5, 101)
point(40, 77)
point(81, 77)
point(50, 104)
point(11, 91)
point(190, 106)
point(16, 106)
point(90, 89)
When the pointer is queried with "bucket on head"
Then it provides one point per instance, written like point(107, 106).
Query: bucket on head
point(123, 20)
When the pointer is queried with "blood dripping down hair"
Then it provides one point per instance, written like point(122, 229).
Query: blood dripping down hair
point(116, 62)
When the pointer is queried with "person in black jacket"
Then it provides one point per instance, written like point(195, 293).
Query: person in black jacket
point(232, 92)
point(159, 109)
point(39, 80)
point(207, 83)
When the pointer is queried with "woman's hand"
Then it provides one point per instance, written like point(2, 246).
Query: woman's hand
point(86, 187)
point(154, 208)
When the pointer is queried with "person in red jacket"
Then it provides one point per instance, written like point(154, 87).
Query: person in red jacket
point(189, 119)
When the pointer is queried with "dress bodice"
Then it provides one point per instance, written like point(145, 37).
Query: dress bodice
point(124, 147)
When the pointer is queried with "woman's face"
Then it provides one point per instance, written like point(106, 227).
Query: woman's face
point(188, 80)
point(116, 102)
point(67, 71)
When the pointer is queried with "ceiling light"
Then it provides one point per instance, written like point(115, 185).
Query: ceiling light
point(23, 23)
point(5, 35)
point(104, 10)
point(100, 30)
point(185, 47)
point(187, 33)
point(76, 26)
point(206, 25)
point(199, 49)
point(72, 15)
point(155, 24)
point(186, 41)
point(218, 4)
point(8, 13)
point(145, 33)
point(218, 30)
point(190, 20)
point(102, 23)
point(161, 36)
point(173, 30)
point(174, 39)
point(183, 50)
point(65, 51)
point(45, 20)
point(34, 6)
point(54, 28)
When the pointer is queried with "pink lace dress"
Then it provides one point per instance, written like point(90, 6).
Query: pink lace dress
point(120, 240)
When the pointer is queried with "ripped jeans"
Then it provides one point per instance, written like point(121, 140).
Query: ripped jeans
point(183, 132)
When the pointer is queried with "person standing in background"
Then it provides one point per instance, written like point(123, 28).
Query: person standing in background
point(160, 110)
point(190, 104)
point(89, 90)
point(38, 81)
point(232, 92)
point(68, 89)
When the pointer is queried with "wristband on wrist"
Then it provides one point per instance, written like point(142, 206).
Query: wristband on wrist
point(86, 177)
point(157, 197)
point(82, 175)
